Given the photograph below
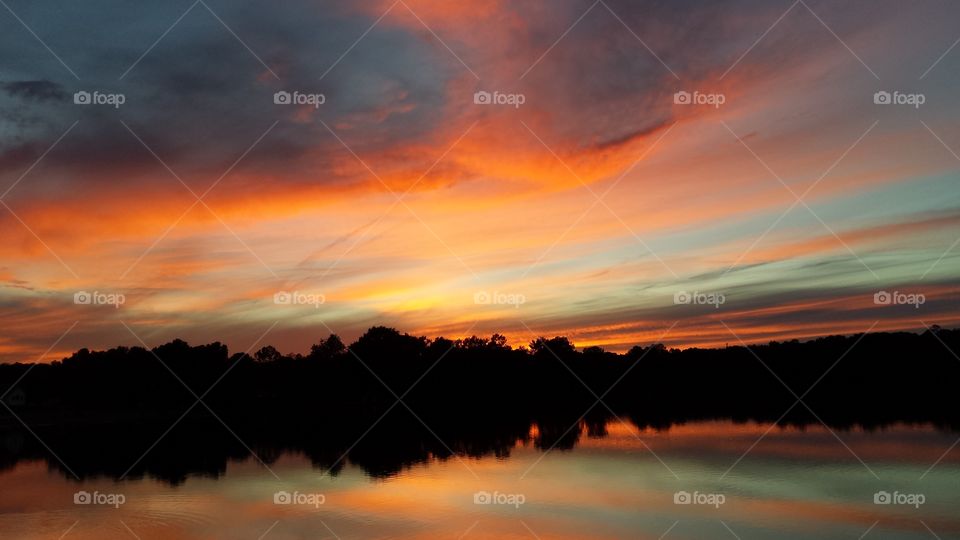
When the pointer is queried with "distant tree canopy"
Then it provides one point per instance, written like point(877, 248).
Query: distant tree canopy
point(883, 377)
point(327, 348)
point(268, 354)
point(559, 346)
point(382, 341)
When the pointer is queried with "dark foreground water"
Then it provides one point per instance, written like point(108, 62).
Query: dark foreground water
point(696, 481)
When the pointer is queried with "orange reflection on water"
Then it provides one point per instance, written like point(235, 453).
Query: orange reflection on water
point(618, 486)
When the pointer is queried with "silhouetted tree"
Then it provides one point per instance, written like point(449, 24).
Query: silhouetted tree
point(472, 342)
point(175, 349)
point(441, 345)
point(380, 343)
point(240, 358)
point(499, 341)
point(268, 354)
point(559, 346)
point(327, 348)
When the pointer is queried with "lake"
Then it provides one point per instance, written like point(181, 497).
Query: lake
point(693, 481)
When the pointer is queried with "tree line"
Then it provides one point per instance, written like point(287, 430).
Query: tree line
point(439, 397)
point(895, 376)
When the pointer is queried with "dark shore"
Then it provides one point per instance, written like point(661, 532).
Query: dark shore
point(102, 410)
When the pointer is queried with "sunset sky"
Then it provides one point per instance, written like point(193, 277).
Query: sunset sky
point(400, 201)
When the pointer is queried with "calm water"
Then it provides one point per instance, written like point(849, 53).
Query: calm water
point(792, 484)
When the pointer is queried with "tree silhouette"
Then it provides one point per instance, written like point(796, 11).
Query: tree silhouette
point(327, 349)
point(477, 394)
point(267, 354)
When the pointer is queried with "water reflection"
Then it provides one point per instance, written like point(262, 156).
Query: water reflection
point(613, 481)
point(199, 445)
